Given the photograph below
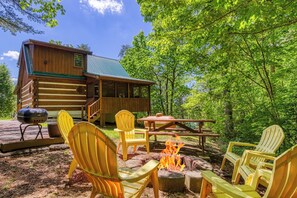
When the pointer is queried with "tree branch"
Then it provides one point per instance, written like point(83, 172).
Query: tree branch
point(267, 29)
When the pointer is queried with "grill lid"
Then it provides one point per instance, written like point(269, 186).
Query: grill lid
point(32, 115)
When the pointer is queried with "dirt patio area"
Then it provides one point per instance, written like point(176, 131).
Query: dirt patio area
point(41, 172)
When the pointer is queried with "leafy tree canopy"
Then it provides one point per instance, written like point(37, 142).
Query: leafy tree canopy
point(238, 57)
point(14, 13)
point(7, 99)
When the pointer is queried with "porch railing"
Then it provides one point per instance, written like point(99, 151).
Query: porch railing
point(93, 109)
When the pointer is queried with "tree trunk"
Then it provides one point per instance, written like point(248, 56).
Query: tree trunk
point(229, 124)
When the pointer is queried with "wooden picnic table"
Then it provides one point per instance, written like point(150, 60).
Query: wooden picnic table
point(173, 121)
point(167, 126)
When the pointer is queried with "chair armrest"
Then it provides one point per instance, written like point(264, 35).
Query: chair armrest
point(221, 185)
point(254, 178)
point(142, 172)
point(265, 165)
point(122, 134)
point(248, 154)
point(135, 130)
point(231, 144)
point(144, 132)
point(141, 131)
point(118, 130)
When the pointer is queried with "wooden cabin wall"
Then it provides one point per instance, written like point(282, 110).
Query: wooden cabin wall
point(27, 95)
point(54, 94)
point(24, 73)
point(56, 61)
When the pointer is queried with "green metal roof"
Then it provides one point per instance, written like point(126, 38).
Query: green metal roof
point(105, 67)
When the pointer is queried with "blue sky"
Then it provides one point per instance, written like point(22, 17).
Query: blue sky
point(105, 25)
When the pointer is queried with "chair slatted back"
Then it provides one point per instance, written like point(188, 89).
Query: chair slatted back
point(125, 121)
point(271, 139)
point(96, 155)
point(65, 123)
point(284, 176)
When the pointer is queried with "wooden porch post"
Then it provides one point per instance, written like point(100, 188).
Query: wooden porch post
point(128, 90)
point(149, 93)
point(102, 117)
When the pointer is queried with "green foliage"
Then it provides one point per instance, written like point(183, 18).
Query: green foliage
point(237, 58)
point(123, 50)
point(82, 46)
point(39, 11)
point(7, 99)
point(149, 62)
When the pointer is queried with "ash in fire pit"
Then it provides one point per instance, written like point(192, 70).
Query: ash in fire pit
point(31, 117)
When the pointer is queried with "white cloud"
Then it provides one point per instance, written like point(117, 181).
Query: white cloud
point(102, 6)
point(14, 80)
point(1, 58)
point(11, 54)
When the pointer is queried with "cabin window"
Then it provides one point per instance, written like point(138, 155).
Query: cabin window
point(78, 60)
point(96, 90)
point(138, 91)
point(144, 91)
point(108, 89)
point(122, 90)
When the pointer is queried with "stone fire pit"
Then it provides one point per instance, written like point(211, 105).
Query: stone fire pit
point(174, 181)
point(171, 181)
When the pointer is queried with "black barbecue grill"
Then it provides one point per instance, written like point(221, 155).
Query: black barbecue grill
point(31, 117)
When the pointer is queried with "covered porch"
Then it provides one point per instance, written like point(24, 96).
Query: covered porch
point(106, 95)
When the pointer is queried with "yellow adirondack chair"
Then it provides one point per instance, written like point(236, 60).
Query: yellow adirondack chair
point(247, 172)
point(96, 155)
point(65, 123)
point(283, 182)
point(271, 139)
point(125, 121)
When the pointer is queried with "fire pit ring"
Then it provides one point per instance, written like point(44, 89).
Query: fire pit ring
point(31, 117)
point(171, 181)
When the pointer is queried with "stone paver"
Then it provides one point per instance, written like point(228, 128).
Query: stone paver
point(10, 131)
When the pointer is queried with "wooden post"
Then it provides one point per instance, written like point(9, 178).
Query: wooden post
point(102, 120)
point(149, 93)
point(128, 90)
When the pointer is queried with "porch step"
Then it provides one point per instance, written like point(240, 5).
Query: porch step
point(94, 118)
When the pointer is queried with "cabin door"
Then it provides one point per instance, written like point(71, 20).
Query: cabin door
point(93, 91)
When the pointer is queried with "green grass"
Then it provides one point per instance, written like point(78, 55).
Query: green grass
point(44, 124)
point(5, 118)
point(109, 131)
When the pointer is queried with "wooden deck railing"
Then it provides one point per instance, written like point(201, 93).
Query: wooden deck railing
point(93, 109)
point(113, 105)
point(84, 108)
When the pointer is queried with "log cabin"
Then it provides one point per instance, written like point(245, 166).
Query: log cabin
point(89, 87)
